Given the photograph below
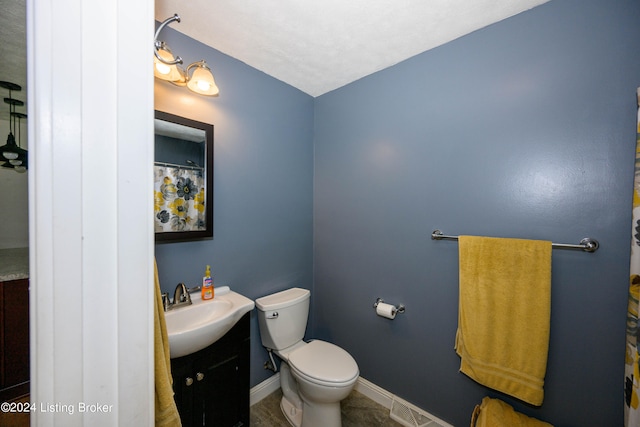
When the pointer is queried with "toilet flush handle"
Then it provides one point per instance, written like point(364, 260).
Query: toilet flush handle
point(273, 315)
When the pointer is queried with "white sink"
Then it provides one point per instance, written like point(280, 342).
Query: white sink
point(194, 327)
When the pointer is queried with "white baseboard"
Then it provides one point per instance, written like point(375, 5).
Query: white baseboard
point(264, 389)
point(373, 392)
point(386, 399)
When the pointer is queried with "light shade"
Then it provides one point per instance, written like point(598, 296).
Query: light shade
point(10, 151)
point(10, 155)
point(201, 81)
point(169, 72)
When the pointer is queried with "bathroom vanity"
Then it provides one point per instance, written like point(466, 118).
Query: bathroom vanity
point(212, 385)
point(14, 323)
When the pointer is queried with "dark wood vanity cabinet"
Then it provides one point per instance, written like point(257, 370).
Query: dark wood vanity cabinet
point(212, 385)
point(14, 339)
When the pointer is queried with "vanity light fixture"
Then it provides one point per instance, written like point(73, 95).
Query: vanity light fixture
point(197, 76)
point(13, 156)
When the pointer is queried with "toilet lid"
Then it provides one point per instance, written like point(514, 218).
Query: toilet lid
point(324, 362)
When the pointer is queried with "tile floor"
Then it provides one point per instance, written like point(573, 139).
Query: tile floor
point(357, 411)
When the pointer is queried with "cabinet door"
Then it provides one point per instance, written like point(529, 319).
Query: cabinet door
point(221, 390)
point(183, 387)
point(14, 337)
point(226, 389)
point(212, 385)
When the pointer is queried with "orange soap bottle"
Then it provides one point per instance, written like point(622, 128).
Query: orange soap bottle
point(207, 291)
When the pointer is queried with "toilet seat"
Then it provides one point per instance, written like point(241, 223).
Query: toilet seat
point(324, 363)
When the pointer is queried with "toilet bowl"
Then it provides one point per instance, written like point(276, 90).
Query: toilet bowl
point(314, 376)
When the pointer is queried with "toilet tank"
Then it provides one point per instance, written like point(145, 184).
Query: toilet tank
point(282, 317)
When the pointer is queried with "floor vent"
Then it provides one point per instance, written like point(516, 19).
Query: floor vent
point(407, 415)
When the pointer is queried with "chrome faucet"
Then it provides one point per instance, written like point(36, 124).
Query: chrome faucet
point(181, 297)
point(165, 301)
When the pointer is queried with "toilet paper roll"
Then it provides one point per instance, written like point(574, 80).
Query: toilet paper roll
point(386, 310)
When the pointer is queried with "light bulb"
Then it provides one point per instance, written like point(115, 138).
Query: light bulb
point(15, 162)
point(9, 155)
point(203, 85)
point(163, 68)
point(20, 169)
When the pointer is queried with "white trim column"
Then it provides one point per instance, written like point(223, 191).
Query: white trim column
point(90, 106)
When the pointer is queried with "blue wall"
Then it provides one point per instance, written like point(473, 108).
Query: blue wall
point(523, 129)
point(263, 178)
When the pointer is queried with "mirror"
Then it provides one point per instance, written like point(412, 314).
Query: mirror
point(183, 178)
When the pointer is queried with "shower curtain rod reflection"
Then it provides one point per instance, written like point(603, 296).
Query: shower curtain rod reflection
point(587, 244)
point(194, 166)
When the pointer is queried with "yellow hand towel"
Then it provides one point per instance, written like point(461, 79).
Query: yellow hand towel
point(165, 408)
point(504, 312)
point(496, 413)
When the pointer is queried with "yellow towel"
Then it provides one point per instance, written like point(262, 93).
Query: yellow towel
point(504, 311)
point(166, 410)
point(496, 413)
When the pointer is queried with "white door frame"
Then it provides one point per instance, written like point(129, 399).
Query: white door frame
point(90, 107)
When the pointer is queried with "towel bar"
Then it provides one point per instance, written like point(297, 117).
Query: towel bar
point(587, 244)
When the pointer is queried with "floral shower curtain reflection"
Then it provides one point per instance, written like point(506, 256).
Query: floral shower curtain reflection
point(632, 371)
point(179, 199)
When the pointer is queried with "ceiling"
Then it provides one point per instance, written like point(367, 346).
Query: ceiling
point(319, 46)
point(314, 46)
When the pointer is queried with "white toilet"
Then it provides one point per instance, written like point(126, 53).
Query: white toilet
point(314, 376)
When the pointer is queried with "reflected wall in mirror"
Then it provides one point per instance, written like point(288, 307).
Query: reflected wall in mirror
point(183, 178)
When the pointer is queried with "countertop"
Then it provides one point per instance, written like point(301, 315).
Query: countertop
point(14, 264)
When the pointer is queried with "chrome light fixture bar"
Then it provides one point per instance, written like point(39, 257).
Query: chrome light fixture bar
point(197, 77)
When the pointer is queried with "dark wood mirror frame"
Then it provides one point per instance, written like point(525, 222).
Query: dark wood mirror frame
point(173, 156)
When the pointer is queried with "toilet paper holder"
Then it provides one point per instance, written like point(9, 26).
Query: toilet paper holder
point(398, 308)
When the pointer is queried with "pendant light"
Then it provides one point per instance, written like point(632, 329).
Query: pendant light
point(20, 164)
point(12, 154)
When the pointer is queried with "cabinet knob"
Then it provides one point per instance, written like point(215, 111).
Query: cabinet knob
point(188, 381)
point(199, 376)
